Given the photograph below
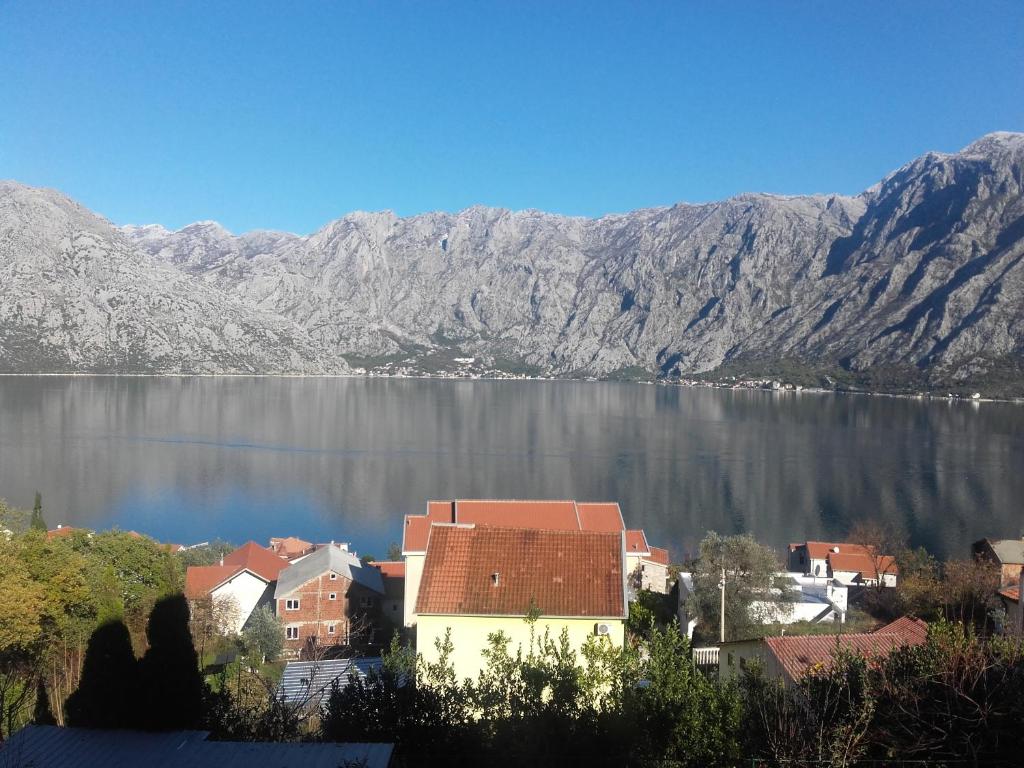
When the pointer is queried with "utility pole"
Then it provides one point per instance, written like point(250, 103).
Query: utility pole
point(721, 620)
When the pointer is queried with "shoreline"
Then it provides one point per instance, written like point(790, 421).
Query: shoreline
point(687, 384)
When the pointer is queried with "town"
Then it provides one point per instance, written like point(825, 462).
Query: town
point(302, 636)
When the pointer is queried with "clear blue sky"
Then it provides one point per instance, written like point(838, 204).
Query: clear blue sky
point(286, 115)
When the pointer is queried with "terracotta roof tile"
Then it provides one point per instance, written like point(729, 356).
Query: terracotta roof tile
point(62, 530)
point(600, 516)
point(636, 543)
point(517, 513)
point(290, 546)
point(567, 573)
point(415, 533)
point(257, 559)
point(1011, 593)
point(863, 563)
point(659, 555)
point(913, 631)
point(390, 569)
point(796, 654)
point(200, 579)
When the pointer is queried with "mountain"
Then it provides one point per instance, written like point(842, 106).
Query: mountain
point(916, 283)
point(77, 296)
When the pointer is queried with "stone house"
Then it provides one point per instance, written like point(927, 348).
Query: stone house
point(1008, 554)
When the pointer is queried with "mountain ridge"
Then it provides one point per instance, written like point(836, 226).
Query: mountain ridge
point(915, 283)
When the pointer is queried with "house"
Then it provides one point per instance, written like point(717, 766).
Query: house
point(817, 600)
point(48, 745)
point(291, 547)
point(647, 566)
point(1008, 554)
point(65, 530)
point(328, 598)
point(557, 515)
point(850, 564)
point(790, 657)
point(393, 604)
point(479, 579)
point(305, 684)
point(241, 582)
point(1010, 598)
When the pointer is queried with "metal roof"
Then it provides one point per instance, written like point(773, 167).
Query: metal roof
point(1009, 551)
point(47, 746)
point(329, 558)
point(304, 683)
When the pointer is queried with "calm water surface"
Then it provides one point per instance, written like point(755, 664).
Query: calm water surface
point(191, 459)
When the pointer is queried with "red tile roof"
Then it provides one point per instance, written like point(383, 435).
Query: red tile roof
point(416, 533)
point(863, 563)
point(600, 516)
point(636, 543)
point(62, 530)
point(390, 569)
point(257, 559)
point(200, 579)
point(566, 573)
point(796, 654)
point(659, 555)
point(913, 631)
point(855, 558)
point(516, 513)
point(1011, 593)
point(290, 546)
point(559, 515)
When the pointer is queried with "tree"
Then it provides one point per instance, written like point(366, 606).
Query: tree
point(37, 523)
point(394, 552)
point(755, 590)
point(170, 684)
point(42, 714)
point(264, 634)
point(107, 695)
point(21, 617)
point(679, 715)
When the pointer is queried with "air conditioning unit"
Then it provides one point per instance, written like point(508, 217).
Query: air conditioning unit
point(602, 629)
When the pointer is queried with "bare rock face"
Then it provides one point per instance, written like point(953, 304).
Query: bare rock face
point(919, 277)
point(77, 296)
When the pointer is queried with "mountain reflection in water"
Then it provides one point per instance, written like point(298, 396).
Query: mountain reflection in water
point(190, 459)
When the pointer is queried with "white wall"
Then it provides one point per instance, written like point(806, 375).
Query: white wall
point(413, 575)
point(245, 590)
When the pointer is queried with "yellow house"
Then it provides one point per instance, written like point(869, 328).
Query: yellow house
point(478, 580)
point(647, 566)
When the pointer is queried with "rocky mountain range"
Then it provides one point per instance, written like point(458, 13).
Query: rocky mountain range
point(916, 283)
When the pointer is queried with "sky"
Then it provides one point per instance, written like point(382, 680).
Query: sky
point(287, 115)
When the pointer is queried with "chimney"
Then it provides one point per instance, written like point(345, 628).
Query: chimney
point(495, 579)
point(222, 560)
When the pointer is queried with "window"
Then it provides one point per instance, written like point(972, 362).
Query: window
point(330, 629)
point(291, 633)
point(334, 576)
point(332, 596)
point(366, 602)
point(291, 605)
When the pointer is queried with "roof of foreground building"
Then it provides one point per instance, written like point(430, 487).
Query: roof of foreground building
point(48, 746)
point(477, 570)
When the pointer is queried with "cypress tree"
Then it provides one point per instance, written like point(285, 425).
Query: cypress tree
point(42, 714)
point(37, 523)
point(107, 693)
point(171, 685)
